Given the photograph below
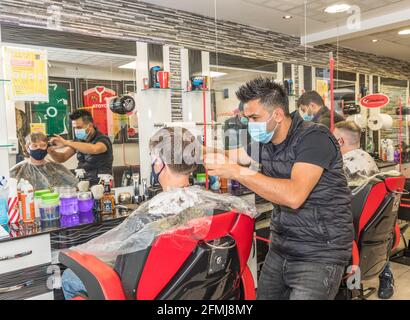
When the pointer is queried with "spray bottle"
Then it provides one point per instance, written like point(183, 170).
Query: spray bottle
point(27, 202)
point(108, 199)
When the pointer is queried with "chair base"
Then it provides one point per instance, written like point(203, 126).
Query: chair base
point(402, 256)
point(355, 294)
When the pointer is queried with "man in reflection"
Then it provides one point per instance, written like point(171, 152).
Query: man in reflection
point(94, 149)
point(359, 166)
point(236, 130)
point(41, 174)
point(312, 108)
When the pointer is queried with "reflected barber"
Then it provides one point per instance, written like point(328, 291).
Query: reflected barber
point(94, 149)
point(302, 175)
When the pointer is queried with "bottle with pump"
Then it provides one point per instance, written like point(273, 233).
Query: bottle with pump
point(108, 199)
point(390, 151)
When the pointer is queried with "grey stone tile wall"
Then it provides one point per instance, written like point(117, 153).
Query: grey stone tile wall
point(135, 20)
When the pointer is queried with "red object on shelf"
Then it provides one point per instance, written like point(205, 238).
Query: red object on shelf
point(163, 79)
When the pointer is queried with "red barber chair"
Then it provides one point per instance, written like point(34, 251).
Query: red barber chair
point(375, 209)
point(205, 259)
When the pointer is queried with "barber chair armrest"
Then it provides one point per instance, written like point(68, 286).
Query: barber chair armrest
point(100, 280)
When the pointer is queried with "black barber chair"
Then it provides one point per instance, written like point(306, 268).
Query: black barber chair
point(375, 208)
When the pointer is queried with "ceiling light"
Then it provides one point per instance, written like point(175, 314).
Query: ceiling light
point(404, 32)
point(375, 40)
point(215, 74)
point(130, 65)
point(337, 8)
point(287, 17)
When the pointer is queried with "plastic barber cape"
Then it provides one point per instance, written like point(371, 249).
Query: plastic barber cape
point(43, 176)
point(168, 210)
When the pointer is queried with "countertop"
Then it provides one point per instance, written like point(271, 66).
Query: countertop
point(23, 230)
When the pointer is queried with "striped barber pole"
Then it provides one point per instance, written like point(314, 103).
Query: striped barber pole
point(13, 212)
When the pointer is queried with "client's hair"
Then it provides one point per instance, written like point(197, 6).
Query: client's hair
point(178, 148)
point(36, 137)
point(352, 131)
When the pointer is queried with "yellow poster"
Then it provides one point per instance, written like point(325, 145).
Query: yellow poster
point(38, 128)
point(322, 87)
point(27, 70)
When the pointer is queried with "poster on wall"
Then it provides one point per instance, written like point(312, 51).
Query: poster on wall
point(27, 70)
point(38, 128)
point(322, 87)
point(54, 113)
point(94, 95)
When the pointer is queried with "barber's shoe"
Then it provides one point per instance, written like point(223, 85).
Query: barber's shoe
point(386, 285)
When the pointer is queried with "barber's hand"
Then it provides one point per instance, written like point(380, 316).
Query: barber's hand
point(58, 141)
point(219, 165)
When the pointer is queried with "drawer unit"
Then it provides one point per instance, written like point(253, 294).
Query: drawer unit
point(28, 283)
point(24, 253)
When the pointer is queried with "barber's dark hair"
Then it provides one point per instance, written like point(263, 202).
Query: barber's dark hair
point(85, 115)
point(270, 94)
point(310, 97)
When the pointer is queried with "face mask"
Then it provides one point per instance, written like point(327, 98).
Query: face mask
point(154, 175)
point(244, 120)
point(307, 117)
point(38, 154)
point(258, 131)
point(81, 134)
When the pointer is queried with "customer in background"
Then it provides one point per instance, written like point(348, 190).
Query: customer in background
point(358, 167)
point(312, 107)
point(41, 174)
point(93, 149)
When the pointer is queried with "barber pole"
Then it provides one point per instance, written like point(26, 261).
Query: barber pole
point(13, 202)
point(13, 212)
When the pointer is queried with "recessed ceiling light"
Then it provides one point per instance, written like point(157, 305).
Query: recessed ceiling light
point(337, 8)
point(375, 40)
point(287, 17)
point(404, 32)
point(215, 74)
point(130, 65)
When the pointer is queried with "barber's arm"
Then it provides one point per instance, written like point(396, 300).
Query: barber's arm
point(291, 192)
point(60, 156)
point(83, 147)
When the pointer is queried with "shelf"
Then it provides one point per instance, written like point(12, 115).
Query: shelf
point(4, 80)
point(4, 146)
point(206, 90)
point(163, 89)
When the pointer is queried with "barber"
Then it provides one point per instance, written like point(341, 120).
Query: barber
point(312, 108)
point(302, 175)
point(94, 149)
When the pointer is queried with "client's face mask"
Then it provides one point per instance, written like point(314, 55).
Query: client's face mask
point(81, 134)
point(259, 132)
point(38, 154)
point(154, 175)
point(306, 116)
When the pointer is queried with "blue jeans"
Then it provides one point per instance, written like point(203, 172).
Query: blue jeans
point(283, 279)
point(71, 284)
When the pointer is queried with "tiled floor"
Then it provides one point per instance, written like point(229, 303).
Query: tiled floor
point(401, 275)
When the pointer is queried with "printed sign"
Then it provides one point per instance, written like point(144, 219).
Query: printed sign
point(27, 70)
point(38, 128)
point(377, 100)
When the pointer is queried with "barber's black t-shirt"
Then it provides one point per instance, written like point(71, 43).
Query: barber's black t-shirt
point(316, 148)
point(95, 164)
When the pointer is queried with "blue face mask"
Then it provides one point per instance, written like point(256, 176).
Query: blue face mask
point(154, 175)
point(258, 131)
point(38, 154)
point(81, 134)
point(244, 120)
point(307, 117)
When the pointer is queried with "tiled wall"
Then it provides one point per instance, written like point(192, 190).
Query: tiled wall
point(134, 20)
